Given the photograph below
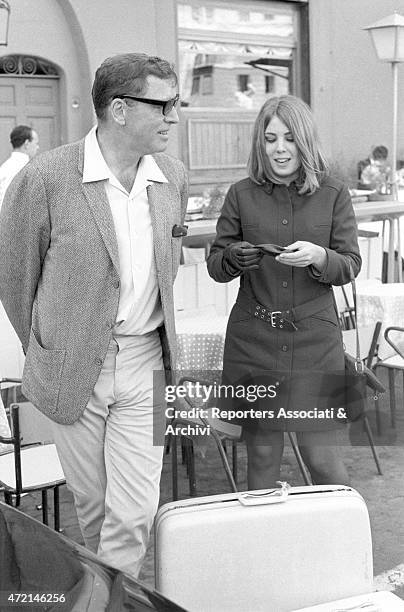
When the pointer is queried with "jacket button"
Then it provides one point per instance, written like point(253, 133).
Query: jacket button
point(98, 361)
point(285, 348)
point(285, 221)
point(116, 284)
point(285, 284)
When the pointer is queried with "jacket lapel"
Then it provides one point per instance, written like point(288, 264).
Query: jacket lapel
point(158, 196)
point(97, 200)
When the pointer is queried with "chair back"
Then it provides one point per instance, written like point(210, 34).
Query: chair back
point(35, 427)
point(15, 446)
point(344, 305)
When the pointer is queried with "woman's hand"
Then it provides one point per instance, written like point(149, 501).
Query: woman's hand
point(302, 254)
point(243, 256)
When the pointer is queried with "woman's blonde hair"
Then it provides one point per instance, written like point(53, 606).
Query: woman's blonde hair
point(298, 118)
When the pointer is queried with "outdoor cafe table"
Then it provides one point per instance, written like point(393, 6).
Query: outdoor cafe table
point(200, 342)
point(11, 354)
point(390, 211)
point(202, 231)
point(381, 302)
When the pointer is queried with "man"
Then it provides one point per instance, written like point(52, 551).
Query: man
point(373, 172)
point(25, 143)
point(89, 252)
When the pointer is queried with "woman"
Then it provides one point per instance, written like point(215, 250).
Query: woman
point(284, 320)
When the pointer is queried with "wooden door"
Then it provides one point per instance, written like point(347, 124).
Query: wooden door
point(32, 101)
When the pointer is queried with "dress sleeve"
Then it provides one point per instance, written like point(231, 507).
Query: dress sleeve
point(228, 231)
point(343, 251)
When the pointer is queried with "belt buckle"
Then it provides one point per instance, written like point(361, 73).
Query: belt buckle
point(274, 320)
point(282, 322)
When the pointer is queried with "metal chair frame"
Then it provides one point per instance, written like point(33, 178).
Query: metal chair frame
point(15, 492)
point(392, 367)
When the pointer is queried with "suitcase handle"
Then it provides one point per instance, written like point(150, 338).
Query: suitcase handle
point(272, 496)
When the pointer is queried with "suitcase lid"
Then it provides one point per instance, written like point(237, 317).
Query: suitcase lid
point(381, 601)
point(255, 498)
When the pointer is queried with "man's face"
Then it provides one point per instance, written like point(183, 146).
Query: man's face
point(146, 126)
point(32, 146)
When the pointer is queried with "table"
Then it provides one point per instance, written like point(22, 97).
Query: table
point(381, 302)
point(202, 232)
point(200, 342)
point(11, 354)
point(4, 428)
point(390, 211)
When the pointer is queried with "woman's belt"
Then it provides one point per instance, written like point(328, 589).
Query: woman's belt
point(283, 319)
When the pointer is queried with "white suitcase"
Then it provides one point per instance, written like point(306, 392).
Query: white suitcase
point(264, 550)
point(382, 601)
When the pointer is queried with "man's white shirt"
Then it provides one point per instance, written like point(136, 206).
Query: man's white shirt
point(9, 169)
point(139, 310)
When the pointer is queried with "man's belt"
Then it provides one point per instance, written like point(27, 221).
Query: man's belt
point(283, 319)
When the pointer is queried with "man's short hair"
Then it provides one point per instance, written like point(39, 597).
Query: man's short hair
point(380, 152)
point(19, 135)
point(127, 73)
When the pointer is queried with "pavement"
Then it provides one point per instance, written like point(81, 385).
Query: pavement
point(384, 495)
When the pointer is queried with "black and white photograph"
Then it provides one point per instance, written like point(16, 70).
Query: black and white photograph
point(201, 305)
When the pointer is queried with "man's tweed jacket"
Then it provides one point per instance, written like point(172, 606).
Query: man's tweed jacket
point(59, 273)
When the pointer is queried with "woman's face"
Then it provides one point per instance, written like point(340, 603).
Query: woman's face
point(281, 149)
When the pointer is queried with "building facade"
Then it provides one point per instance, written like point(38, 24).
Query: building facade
point(230, 56)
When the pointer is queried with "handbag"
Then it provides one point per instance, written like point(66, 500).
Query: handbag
point(357, 375)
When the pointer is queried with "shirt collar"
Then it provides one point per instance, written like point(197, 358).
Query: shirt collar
point(19, 154)
point(95, 168)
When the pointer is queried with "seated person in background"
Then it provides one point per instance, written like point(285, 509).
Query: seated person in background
point(373, 172)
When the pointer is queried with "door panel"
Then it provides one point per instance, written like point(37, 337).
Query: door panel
point(32, 101)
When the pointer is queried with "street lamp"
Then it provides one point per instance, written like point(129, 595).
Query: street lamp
point(388, 39)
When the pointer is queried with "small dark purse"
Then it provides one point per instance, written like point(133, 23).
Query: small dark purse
point(355, 388)
point(358, 377)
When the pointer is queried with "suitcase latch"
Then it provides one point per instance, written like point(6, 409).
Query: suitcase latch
point(270, 496)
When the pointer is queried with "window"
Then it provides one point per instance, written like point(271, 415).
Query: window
point(243, 80)
point(269, 83)
point(207, 85)
point(195, 85)
point(232, 55)
point(237, 40)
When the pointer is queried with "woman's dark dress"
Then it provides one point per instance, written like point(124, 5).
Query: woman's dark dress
point(308, 357)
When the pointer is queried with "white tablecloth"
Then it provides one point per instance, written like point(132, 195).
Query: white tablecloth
point(4, 428)
point(385, 303)
point(11, 354)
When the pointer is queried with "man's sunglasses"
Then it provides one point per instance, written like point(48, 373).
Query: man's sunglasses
point(167, 105)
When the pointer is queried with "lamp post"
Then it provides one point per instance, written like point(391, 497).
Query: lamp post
point(4, 22)
point(388, 40)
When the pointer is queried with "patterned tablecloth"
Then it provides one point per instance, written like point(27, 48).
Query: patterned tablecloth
point(381, 302)
point(200, 341)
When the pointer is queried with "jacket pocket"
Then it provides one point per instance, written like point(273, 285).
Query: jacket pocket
point(42, 373)
point(325, 316)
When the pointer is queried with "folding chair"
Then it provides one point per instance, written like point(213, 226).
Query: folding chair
point(30, 468)
point(395, 338)
point(368, 339)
